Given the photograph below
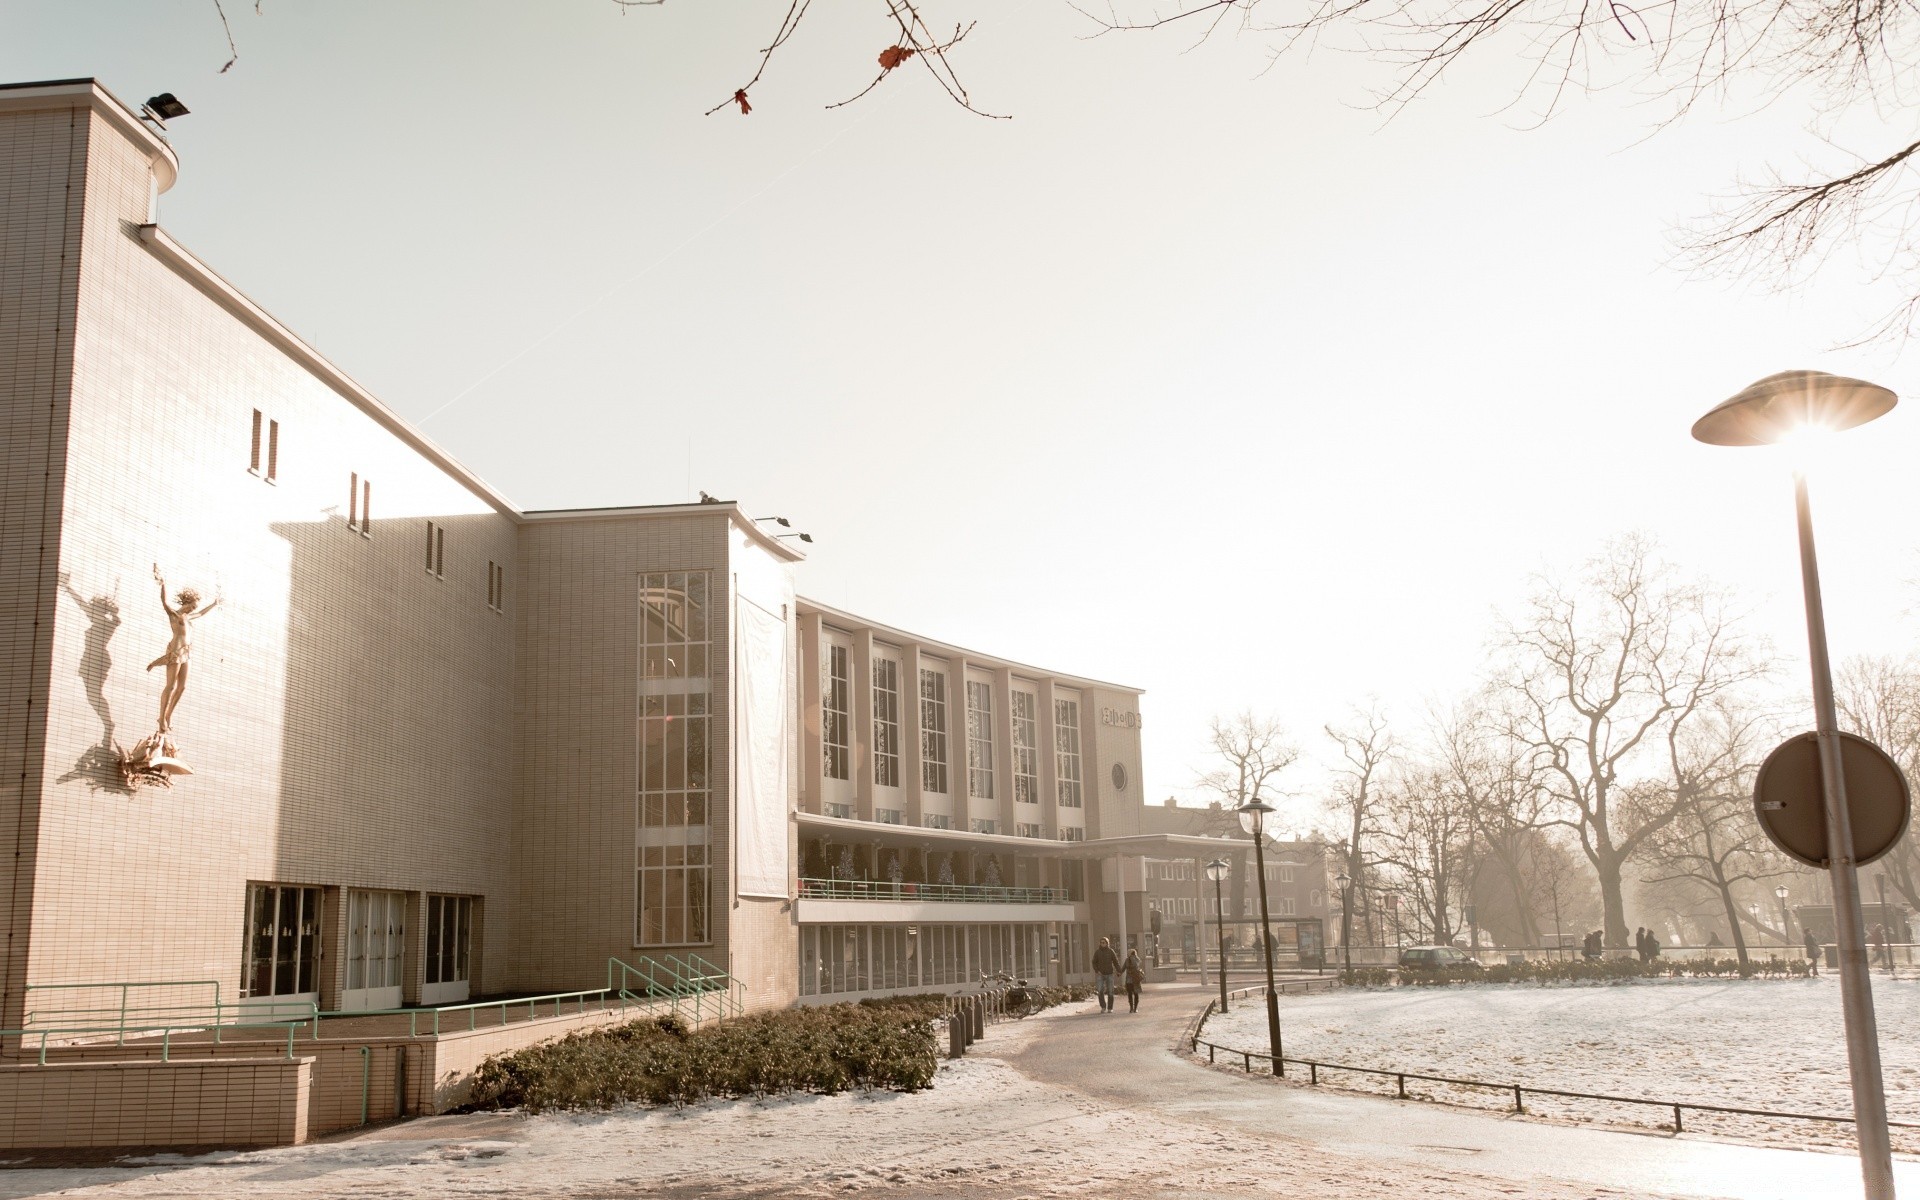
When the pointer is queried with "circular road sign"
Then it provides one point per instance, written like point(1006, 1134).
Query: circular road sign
point(1786, 798)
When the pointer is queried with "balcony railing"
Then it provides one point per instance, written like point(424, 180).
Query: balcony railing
point(946, 893)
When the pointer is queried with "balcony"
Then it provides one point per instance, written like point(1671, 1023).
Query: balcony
point(882, 901)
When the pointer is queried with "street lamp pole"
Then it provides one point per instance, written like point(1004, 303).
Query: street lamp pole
point(1217, 871)
point(1346, 921)
point(1786, 926)
point(1775, 409)
point(1253, 819)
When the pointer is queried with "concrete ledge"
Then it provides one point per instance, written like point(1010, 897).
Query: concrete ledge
point(146, 1102)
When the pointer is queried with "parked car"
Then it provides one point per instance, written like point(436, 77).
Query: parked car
point(1437, 958)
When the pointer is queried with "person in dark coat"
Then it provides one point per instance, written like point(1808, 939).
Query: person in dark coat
point(1640, 944)
point(1132, 975)
point(1813, 954)
point(1105, 964)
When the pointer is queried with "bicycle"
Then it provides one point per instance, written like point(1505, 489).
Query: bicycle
point(1017, 998)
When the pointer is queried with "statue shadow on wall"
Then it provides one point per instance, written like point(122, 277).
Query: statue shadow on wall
point(100, 765)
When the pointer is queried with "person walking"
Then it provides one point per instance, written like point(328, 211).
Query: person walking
point(1133, 974)
point(1640, 944)
point(1105, 964)
point(1813, 954)
point(1653, 947)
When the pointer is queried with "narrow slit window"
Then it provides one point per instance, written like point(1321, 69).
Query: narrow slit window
point(353, 500)
point(429, 547)
point(366, 508)
point(440, 552)
point(490, 582)
point(273, 451)
point(253, 463)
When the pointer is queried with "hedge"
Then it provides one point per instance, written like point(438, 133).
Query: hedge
point(1574, 970)
point(824, 1049)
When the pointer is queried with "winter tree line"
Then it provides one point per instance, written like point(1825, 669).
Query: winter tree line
point(1599, 775)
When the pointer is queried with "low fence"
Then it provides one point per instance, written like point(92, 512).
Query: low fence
point(1518, 1091)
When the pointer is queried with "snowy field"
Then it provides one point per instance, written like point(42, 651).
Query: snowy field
point(1769, 1044)
point(983, 1132)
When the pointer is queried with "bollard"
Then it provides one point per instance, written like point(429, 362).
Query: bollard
point(1403, 1086)
point(1517, 1105)
point(956, 1038)
point(1313, 1069)
point(1677, 1128)
point(979, 1019)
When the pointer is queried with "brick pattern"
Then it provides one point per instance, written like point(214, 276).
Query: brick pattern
point(246, 1102)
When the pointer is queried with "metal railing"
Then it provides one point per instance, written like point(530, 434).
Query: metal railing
point(1518, 1091)
point(679, 979)
point(949, 893)
point(592, 1000)
point(79, 1036)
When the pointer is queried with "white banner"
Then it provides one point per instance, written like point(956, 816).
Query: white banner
point(760, 751)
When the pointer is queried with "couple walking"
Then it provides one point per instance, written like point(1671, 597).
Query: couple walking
point(1107, 964)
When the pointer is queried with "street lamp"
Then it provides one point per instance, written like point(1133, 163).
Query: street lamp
point(1345, 882)
point(1785, 408)
point(1217, 871)
point(1786, 932)
point(1253, 819)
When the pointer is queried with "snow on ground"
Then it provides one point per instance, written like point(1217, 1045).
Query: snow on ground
point(1768, 1044)
point(984, 1131)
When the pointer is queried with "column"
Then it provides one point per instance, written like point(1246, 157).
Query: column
point(812, 754)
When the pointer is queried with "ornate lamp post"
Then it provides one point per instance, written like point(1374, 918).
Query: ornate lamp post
point(1785, 408)
point(1217, 871)
point(1346, 920)
point(1786, 932)
point(1253, 819)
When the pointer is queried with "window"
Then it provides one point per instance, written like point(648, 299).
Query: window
point(1026, 749)
point(353, 500)
point(674, 872)
point(933, 731)
point(836, 714)
point(1027, 829)
point(980, 740)
point(360, 505)
point(888, 816)
point(1071, 833)
point(886, 723)
point(436, 550)
point(449, 926)
point(982, 825)
point(376, 939)
point(840, 810)
point(273, 447)
point(1066, 750)
point(1286, 906)
point(496, 587)
point(936, 821)
point(283, 941)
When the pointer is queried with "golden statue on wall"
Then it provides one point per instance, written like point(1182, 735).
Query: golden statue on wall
point(155, 758)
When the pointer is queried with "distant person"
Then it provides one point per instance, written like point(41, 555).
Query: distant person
point(1105, 964)
point(1640, 944)
point(1590, 946)
point(1132, 975)
point(1713, 940)
point(1653, 947)
point(1813, 954)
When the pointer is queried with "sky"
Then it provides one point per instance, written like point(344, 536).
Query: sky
point(1197, 375)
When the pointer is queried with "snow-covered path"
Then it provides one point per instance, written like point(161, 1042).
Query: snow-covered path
point(1072, 1103)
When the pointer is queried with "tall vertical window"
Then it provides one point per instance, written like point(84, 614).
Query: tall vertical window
point(436, 548)
point(366, 508)
point(1066, 750)
point(933, 730)
point(674, 871)
point(1026, 749)
point(836, 716)
point(886, 722)
point(449, 931)
point(980, 739)
point(496, 586)
point(283, 941)
point(253, 460)
point(273, 450)
point(353, 500)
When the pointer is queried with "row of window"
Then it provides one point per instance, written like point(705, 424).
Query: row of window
point(893, 816)
point(283, 945)
point(837, 959)
point(836, 723)
point(266, 435)
point(673, 874)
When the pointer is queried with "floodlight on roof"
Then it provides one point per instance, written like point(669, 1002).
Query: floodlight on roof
point(163, 108)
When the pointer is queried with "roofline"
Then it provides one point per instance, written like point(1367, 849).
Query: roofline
point(217, 289)
point(730, 508)
point(18, 96)
point(972, 657)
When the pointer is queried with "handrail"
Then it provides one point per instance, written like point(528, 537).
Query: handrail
point(474, 1009)
point(165, 1031)
point(968, 893)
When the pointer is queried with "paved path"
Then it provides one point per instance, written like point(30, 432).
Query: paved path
point(1128, 1060)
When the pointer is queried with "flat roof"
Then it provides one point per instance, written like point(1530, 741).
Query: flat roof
point(972, 657)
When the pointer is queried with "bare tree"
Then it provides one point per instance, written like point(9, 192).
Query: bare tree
point(1879, 699)
point(1423, 837)
point(1249, 753)
point(1598, 666)
point(1495, 781)
point(1713, 842)
point(1841, 56)
point(1365, 745)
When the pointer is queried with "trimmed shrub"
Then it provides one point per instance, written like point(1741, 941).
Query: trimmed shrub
point(660, 1061)
point(1574, 970)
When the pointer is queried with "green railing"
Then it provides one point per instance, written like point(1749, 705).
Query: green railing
point(123, 1017)
point(946, 893)
point(683, 980)
point(437, 1018)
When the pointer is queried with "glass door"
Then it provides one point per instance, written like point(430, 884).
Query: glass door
point(376, 950)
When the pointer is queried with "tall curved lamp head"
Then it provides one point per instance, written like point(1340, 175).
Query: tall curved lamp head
point(1779, 407)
